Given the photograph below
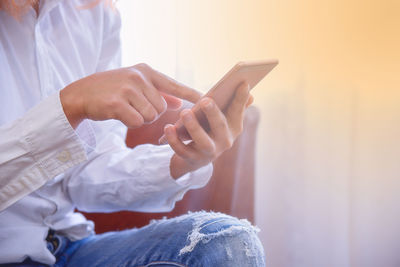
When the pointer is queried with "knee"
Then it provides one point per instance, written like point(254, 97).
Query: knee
point(221, 240)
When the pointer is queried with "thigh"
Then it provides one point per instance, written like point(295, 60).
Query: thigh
point(194, 239)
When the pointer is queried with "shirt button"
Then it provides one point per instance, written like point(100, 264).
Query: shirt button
point(64, 156)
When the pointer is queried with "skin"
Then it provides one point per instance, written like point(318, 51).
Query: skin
point(138, 95)
point(134, 95)
point(35, 6)
point(205, 147)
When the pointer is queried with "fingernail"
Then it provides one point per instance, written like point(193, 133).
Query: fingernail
point(168, 129)
point(207, 104)
point(187, 116)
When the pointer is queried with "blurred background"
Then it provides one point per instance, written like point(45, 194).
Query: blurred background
point(328, 148)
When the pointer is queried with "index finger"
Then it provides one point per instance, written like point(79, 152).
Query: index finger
point(169, 86)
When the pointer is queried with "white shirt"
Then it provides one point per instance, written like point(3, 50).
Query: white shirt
point(47, 169)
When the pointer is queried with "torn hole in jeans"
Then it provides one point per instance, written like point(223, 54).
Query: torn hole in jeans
point(195, 236)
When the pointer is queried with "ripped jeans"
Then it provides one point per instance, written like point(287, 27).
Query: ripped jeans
point(194, 239)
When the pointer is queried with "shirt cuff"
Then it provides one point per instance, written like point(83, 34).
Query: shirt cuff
point(191, 180)
point(52, 147)
point(52, 141)
point(168, 189)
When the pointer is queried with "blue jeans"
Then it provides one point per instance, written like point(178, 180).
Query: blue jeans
point(194, 239)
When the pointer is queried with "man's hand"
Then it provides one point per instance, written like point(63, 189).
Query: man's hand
point(206, 147)
point(134, 95)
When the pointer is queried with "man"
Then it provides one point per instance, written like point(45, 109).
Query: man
point(64, 149)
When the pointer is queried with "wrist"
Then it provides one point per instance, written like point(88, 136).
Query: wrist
point(71, 103)
point(178, 167)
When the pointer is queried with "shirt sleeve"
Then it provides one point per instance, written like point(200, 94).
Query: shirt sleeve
point(35, 148)
point(119, 178)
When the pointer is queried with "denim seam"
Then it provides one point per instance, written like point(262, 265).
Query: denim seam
point(164, 262)
point(208, 224)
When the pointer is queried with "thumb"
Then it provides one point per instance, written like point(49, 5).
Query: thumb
point(250, 101)
point(173, 102)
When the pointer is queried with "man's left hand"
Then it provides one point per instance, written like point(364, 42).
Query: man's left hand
point(205, 147)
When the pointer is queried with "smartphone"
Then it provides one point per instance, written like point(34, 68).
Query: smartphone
point(224, 90)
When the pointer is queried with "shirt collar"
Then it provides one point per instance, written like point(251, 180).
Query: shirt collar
point(46, 6)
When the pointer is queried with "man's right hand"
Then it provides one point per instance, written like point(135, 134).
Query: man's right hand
point(134, 95)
